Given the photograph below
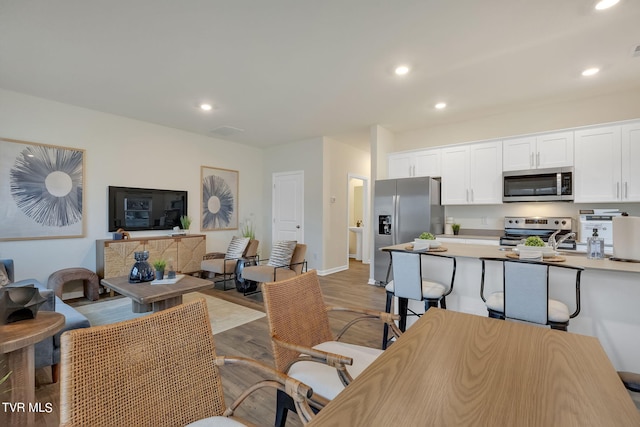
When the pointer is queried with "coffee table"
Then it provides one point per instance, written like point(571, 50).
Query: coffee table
point(147, 297)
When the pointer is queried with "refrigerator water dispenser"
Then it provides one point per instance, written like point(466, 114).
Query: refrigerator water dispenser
point(384, 225)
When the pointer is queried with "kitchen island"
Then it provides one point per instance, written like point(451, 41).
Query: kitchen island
point(610, 296)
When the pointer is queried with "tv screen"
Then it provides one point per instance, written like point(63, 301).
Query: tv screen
point(135, 209)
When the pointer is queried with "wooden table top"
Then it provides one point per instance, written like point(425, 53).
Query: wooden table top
point(145, 293)
point(459, 369)
point(24, 333)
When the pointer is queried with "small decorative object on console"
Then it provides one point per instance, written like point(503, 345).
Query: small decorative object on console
point(142, 270)
point(19, 303)
point(159, 265)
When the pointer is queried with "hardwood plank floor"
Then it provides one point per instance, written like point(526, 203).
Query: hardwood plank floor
point(252, 340)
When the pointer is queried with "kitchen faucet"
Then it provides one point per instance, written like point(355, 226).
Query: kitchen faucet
point(552, 239)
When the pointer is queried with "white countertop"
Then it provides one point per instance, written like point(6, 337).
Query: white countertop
point(572, 258)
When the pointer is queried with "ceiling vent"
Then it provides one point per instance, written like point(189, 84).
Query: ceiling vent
point(226, 130)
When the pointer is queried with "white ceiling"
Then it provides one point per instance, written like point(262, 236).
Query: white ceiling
point(286, 70)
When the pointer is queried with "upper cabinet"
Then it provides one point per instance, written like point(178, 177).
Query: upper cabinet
point(415, 163)
point(630, 172)
point(538, 151)
point(472, 174)
point(604, 170)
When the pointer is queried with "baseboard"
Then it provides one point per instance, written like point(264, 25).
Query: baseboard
point(332, 270)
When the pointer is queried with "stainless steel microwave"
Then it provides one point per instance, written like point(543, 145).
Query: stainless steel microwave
point(538, 185)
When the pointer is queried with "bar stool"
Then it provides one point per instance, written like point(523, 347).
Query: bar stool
point(525, 293)
point(408, 284)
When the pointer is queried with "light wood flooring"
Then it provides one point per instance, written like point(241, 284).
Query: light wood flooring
point(252, 340)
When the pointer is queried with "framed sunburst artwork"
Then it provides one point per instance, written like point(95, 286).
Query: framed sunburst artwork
point(41, 191)
point(219, 199)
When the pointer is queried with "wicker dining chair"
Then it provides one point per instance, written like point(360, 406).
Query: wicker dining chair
point(304, 346)
point(156, 370)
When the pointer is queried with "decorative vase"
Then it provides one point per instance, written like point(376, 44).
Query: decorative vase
point(142, 270)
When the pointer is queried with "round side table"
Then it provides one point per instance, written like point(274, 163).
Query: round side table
point(16, 351)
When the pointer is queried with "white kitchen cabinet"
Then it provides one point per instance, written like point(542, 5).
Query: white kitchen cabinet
point(415, 163)
point(550, 150)
point(606, 164)
point(598, 164)
point(472, 174)
point(630, 154)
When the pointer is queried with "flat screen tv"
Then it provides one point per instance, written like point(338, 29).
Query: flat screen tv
point(135, 209)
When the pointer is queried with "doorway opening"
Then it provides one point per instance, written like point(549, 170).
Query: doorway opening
point(358, 218)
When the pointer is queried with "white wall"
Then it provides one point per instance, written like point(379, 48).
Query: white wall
point(304, 156)
point(339, 160)
point(603, 109)
point(122, 152)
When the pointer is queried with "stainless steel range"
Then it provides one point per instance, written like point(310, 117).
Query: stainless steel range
point(518, 228)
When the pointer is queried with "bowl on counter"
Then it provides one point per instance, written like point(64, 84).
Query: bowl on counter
point(546, 251)
point(422, 244)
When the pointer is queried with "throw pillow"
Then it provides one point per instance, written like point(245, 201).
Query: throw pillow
point(4, 277)
point(236, 247)
point(281, 253)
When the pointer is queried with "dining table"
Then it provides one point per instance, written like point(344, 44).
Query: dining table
point(459, 369)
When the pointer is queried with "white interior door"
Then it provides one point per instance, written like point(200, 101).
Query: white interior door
point(288, 206)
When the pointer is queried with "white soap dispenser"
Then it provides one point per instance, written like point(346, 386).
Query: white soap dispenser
point(595, 246)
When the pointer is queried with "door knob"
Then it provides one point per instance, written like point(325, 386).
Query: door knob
point(297, 226)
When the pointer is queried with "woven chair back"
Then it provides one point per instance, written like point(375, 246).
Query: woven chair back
point(296, 313)
point(156, 370)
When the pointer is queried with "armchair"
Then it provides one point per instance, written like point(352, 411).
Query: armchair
point(303, 344)
point(47, 351)
point(157, 370)
point(239, 247)
point(271, 270)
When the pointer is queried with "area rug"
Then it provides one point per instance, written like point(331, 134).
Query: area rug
point(224, 315)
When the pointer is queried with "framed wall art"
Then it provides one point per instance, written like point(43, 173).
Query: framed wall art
point(41, 191)
point(219, 199)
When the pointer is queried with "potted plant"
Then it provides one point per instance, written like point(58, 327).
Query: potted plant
point(159, 266)
point(248, 230)
point(185, 221)
point(455, 228)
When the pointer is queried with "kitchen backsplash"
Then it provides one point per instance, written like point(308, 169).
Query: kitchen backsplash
point(491, 217)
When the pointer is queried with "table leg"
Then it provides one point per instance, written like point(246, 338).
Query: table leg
point(136, 307)
point(21, 385)
point(167, 303)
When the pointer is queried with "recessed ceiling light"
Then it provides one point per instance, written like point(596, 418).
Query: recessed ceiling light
point(606, 4)
point(440, 105)
point(590, 72)
point(206, 107)
point(402, 70)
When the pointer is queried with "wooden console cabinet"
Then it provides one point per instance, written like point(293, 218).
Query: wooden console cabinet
point(115, 257)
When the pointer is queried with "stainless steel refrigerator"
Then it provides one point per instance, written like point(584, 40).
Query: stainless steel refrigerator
point(402, 210)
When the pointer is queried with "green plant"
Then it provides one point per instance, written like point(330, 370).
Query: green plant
point(159, 264)
point(185, 221)
point(534, 241)
point(427, 236)
point(248, 230)
point(455, 227)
